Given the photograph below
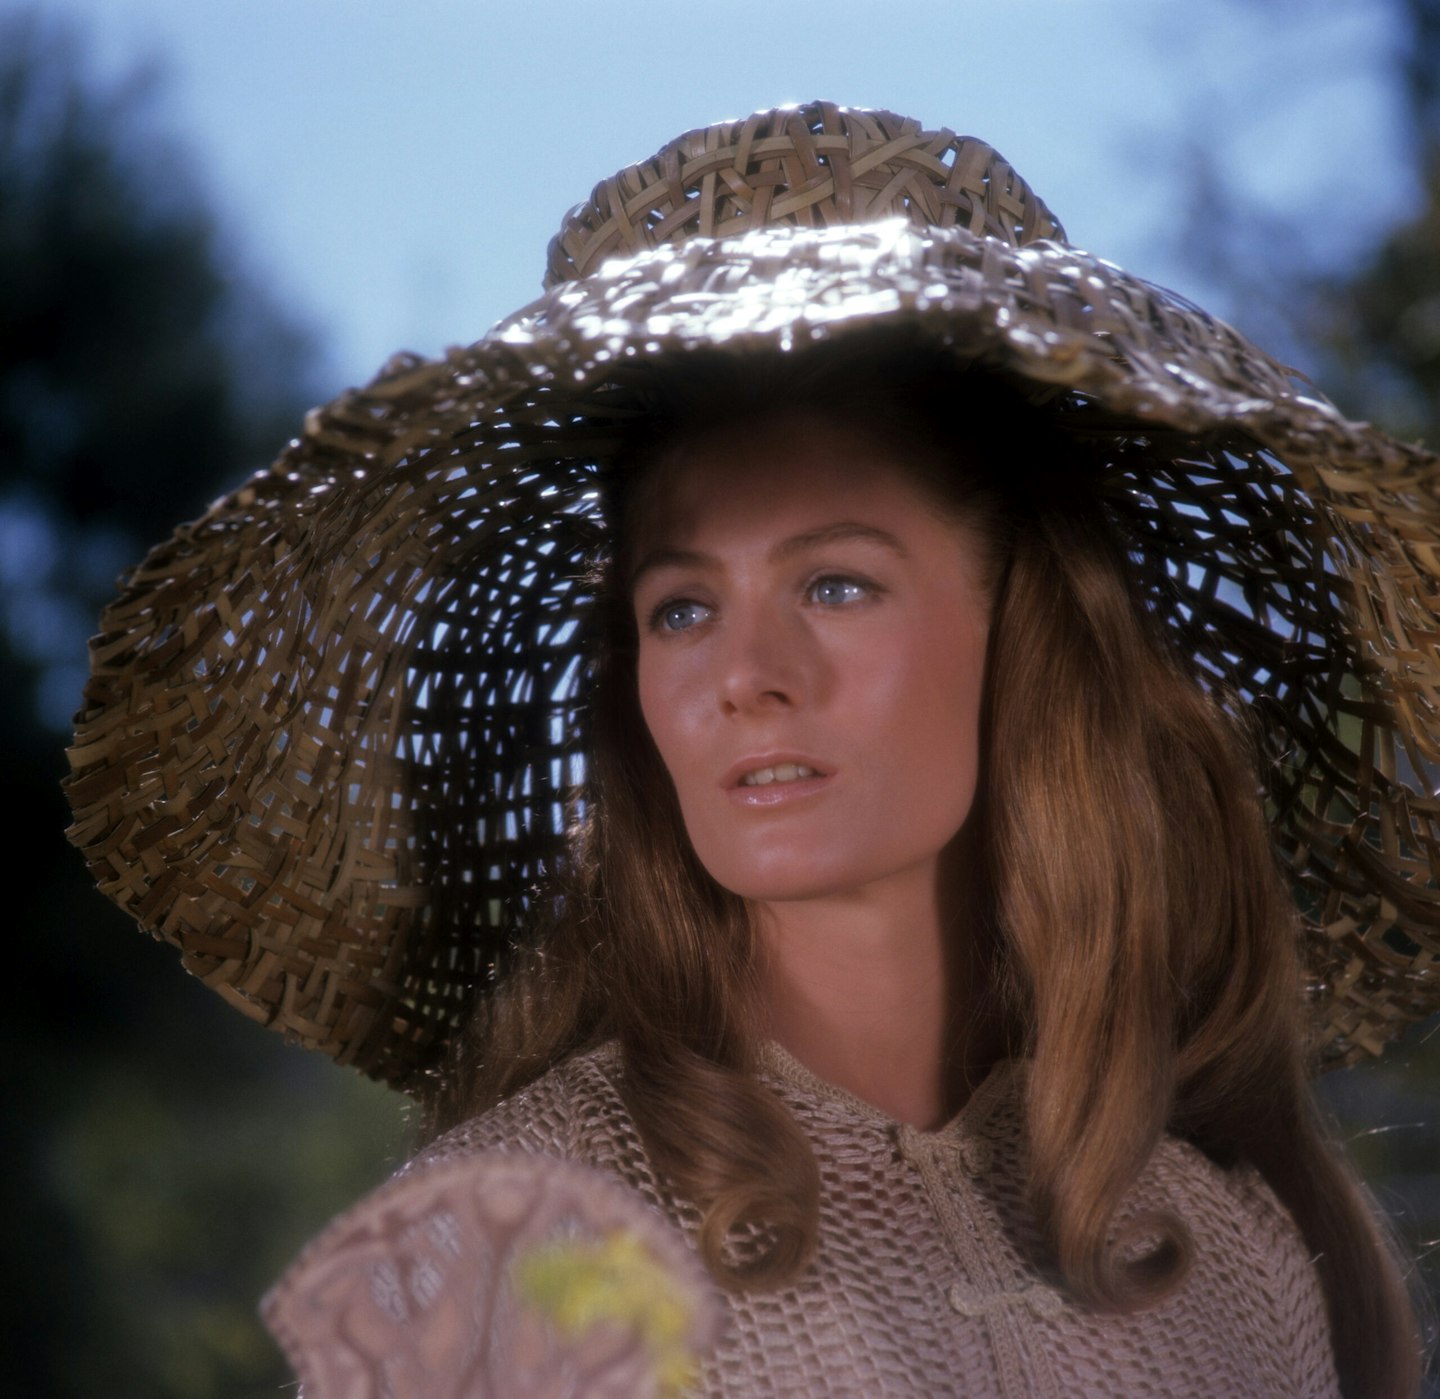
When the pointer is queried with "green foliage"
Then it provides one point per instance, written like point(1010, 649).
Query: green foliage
point(1384, 1113)
point(193, 1206)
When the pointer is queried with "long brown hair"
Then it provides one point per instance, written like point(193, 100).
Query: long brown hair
point(1150, 960)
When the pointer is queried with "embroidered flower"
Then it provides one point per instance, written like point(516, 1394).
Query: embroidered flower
point(582, 1283)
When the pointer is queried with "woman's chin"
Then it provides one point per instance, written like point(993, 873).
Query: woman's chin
point(790, 881)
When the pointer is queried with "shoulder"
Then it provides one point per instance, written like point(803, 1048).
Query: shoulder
point(430, 1278)
point(575, 1112)
point(1250, 1259)
point(1233, 1207)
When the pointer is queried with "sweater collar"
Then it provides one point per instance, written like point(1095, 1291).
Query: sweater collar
point(1000, 1085)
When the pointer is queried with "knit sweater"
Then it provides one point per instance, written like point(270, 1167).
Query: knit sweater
point(926, 1280)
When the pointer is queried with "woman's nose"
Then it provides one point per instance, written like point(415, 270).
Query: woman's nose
point(765, 664)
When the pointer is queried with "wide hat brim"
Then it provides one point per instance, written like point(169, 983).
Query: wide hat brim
point(336, 728)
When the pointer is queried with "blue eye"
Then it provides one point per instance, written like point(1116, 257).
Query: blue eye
point(677, 616)
point(834, 591)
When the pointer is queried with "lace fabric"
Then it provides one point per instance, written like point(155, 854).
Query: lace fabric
point(925, 1281)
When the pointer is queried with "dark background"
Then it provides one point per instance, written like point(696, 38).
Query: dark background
point(163, 1158)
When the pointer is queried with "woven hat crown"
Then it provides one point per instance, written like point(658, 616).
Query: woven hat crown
point(817, 166)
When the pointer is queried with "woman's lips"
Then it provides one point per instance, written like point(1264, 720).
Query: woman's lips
point(782, 778)
point(778, 793)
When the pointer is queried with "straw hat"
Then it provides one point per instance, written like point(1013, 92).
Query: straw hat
point(335, 727)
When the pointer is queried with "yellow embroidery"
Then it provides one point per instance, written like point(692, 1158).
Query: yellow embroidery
point(579, 1284)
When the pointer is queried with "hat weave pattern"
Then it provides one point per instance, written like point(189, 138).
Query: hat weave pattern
point(812, 167)
point(335, 731)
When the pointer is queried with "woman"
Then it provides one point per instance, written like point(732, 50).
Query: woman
point(903, 787)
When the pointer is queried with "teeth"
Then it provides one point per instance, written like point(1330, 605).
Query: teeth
point(781, 772)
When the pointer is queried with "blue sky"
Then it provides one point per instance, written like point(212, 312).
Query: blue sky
point(395, 170)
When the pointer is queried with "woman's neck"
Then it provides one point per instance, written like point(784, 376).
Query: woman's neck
point(882, 993)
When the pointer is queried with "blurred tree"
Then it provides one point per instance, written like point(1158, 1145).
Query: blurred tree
point(143, 1213)
point(1383, 329)
point(1370, 333)
point(136, 372)
point(1380, 330)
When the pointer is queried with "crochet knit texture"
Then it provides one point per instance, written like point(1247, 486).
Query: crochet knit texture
point(925, 1281)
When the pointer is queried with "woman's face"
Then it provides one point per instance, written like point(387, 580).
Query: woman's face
point(812, 651)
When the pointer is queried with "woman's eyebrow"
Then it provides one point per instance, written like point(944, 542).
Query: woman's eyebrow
point(670, 558)
point(843, 530)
